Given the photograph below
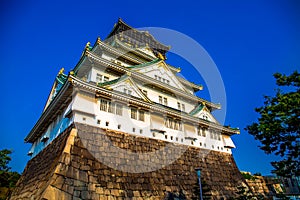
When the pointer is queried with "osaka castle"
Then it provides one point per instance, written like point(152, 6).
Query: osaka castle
point(122, 124)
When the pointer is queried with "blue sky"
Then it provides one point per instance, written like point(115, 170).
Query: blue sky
point(248, 41)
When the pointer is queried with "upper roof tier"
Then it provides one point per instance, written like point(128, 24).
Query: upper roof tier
point(136, 38)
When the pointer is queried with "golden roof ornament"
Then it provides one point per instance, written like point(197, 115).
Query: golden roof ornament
point(98, 40)
point(61, 71)
point(87, 46)
point(160, 56)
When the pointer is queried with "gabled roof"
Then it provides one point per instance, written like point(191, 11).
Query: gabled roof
point(145, 64)
point(125, 81)
point(201, 111)
point(197, 109)
point(88, 55)
point(60, 79)
point(137, 38)
point(159, 67)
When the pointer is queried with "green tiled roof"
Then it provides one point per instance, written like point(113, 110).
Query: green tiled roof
point(197, 109)
point(61, 78)
point(112, 81)
point(145, 64)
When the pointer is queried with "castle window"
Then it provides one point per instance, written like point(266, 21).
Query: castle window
point(215, 135)
point(173, 123)
point(126, 91)
point(119, 109)
point(160, 99)
point(106, 123)
point(119, 126)
point(141, 115)
point(165, 101)
point(183, 107)
point(105, 78)
point(133, 113)
point(103, 105)
point(201, 131)
point(98, 121)
point(98, 78)
point(166, 136)
point(179, 105)
point(171, 137)
point(133, 129)
point(177, 139)
point(111, 107)
point(211, 134)
point(141, 131)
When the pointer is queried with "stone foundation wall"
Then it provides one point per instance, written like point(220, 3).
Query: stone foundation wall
point(88, 167)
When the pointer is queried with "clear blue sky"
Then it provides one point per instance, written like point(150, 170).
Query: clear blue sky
point(248, 40)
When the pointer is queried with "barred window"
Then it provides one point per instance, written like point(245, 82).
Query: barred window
point(179, 105)
point(119, 109)
point(173, 123)
point(160, 99)
point(111, 107)
point(103, 105)
point(183, 107)
point(133, 113)
point(142, 115)
point(165, 101)
point(201, 131)
point(106, 78)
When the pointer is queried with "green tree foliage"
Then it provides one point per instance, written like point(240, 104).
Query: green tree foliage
point(5, 159)
point(8, 179)
point(278, 126)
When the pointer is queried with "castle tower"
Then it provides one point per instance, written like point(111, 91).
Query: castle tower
point(123, 125)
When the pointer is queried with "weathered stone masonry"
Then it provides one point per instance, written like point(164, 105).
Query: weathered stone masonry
point(67, 170)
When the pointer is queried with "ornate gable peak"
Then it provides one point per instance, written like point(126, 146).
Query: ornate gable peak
point(125, 82)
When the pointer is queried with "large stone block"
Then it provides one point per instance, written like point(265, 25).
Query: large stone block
point(80, 173)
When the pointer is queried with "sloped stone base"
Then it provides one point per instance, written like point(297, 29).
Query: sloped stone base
point(75, 166)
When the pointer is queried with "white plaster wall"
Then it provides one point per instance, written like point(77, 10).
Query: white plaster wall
point(153, 95)
point(84, 103)
point(100, 118)
point(107, 57)
point(97, 70)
